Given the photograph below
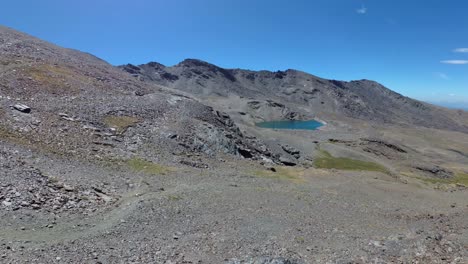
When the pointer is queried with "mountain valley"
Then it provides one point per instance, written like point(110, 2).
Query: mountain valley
point(165, 164)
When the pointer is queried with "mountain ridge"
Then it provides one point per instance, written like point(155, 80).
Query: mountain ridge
point(362, 99)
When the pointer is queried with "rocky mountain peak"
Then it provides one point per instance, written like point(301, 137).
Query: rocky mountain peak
point(156, 65)
point(362, 99)
point(195, 63)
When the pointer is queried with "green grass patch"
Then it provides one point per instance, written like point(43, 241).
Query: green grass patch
point(141, 165)
point(326, 161)
point(460, 178)
point(121, 123)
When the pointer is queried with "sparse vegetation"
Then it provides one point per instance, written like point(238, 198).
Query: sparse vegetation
point(16, 137)
point(141, 165)
point(300, 239)
point(326, 161)
point(282, 173)
point(10, 136)
point(56, 79)
point(121, 123)
point(173, 197)
point(460, 178)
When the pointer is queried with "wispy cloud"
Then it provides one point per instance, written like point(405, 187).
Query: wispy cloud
point(391, 21)
point(455, 62)
point(461, 50)
point(362, 10)
point(442, 75)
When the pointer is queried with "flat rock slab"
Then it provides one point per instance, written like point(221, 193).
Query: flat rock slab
point(22, 108)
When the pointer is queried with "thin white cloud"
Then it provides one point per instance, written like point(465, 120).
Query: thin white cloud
point(391, 21)
point(442, 75)
point(362, 10)
point(461, 50)
point(455, 62)
point(452, 94)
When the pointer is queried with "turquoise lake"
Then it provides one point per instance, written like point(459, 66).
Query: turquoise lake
point(291, 124)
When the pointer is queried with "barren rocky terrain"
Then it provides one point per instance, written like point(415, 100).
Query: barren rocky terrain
point(293, 94)
point(156, 164)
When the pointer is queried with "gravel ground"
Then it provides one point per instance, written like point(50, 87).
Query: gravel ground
point(231, 213)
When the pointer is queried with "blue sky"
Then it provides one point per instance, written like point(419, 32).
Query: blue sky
point(417, 48)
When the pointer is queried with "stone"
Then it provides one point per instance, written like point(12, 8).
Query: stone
point(287, 162)
point(88, 127)
point(435, 171)
point(292, 151)
point(245, 152)
point(22, 108)
point(68, 188)
point(264, 260)
point(104, 197)
point(177, 235)
point(172, 136)
point(66, 117)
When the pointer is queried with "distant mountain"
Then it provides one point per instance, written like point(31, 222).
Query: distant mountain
point(453, 105)
point(363, 99)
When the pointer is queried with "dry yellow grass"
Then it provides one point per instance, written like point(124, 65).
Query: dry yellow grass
point(293, 174)
point(56, 79)
point(121, 123)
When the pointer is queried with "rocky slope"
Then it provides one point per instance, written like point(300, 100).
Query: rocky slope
point(303, 92)
point(81, 105)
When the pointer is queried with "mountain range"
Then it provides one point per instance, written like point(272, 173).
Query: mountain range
point(303, 93)
point(157, 164)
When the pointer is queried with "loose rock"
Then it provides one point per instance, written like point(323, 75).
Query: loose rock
point(22, 108)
